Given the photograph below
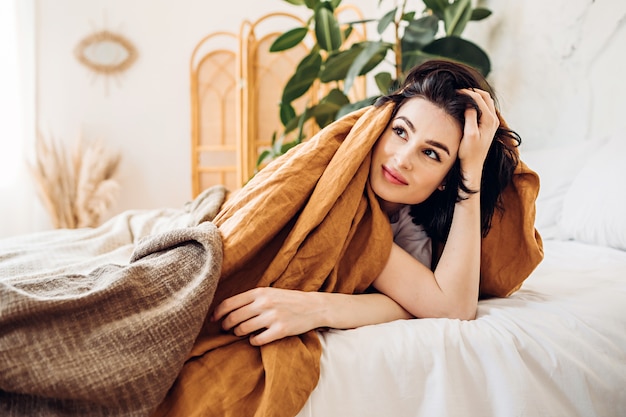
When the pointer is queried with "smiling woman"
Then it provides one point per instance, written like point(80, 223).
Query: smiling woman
point(16, 114)
point(427, 153)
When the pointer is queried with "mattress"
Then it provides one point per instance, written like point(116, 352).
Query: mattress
point(557, 347)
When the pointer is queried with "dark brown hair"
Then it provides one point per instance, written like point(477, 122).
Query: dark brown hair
point(439, 82)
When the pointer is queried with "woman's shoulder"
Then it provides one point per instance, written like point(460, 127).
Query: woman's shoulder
point(412, 237)
point(403, 222)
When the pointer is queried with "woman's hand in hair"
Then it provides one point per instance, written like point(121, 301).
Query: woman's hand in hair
point(478, 134)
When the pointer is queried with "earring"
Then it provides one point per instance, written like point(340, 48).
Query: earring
point(442, 187)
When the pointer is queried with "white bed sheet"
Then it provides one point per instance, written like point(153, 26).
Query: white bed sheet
point(557, 347)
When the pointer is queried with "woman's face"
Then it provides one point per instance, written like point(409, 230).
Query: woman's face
point(414, 154)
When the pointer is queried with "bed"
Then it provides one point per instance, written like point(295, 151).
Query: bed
point(556, 347)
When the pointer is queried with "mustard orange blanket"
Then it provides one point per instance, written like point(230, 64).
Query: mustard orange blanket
point(309, 221)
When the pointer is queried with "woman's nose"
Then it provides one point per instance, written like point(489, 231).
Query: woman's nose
point(403, 157)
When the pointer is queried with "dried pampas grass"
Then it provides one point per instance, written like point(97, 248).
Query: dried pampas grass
point(78, 187)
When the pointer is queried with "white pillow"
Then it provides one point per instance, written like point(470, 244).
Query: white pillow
point(594, 208)
point(557, 168)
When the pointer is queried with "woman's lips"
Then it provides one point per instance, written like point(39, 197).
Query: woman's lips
point(393, 176)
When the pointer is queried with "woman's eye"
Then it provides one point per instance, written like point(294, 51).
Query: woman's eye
point(432, 154)
point(400, 132)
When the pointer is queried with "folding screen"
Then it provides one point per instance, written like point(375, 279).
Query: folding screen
point(236, 86)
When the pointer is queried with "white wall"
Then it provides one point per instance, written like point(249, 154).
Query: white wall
point(18, 203)
point(145, 112)
point(558, 68)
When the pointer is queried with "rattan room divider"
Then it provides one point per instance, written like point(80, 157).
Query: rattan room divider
point(236, 86)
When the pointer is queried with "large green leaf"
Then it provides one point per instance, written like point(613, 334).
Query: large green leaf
point(287, 113)
point(299, 120)
point(328, 107)
point(384, 82)
point(335, 3)
point(460, 50)
point(313, 59)
point(305, 75)
point(386, 20)
point(371, 50)
point(412, 58)
point(408, 16)
point(437, 6)
point(286, 146)
point(349, 108)
point(456, 16)
point(311, 4)
point(327, 29)
point(264, 155)
point(325, 114)
point(335, 97)
point(420, 32)
point(377, 58)
point(298, 84)
point(289, 39)
point(360, 21)
point(347, 32)
point(480, 13)
point(337, 64)
point(267, 154)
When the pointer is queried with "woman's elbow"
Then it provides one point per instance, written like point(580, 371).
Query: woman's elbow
point(467, 313)
point(454, 312)
point(463, 312)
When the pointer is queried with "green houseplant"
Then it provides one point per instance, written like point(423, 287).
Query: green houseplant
point(414, 37)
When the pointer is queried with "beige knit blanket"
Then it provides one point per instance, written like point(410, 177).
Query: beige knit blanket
point(97, 322)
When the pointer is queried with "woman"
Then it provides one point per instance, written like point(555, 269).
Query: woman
point(443, 159)
point(307, 243)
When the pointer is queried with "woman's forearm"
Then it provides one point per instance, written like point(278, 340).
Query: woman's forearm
point(267, 314)
point(458, 270)
point(452, 289)
point(347, 311)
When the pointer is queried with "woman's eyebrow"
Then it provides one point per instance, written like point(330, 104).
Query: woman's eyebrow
point(438, 145)
point(431, 142)
point(408, 122)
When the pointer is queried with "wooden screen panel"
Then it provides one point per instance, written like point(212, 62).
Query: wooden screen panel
point(236, 87)
point(266, 74)
point(215, 144)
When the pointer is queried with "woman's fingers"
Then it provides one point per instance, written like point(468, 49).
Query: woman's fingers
point(267, 336)
point(479, 130)
point(249, 326)
point(262, 328)
point(231, 304)
point(489, 120)
point(267, 314)
point(487, 108)
point(470, 130)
